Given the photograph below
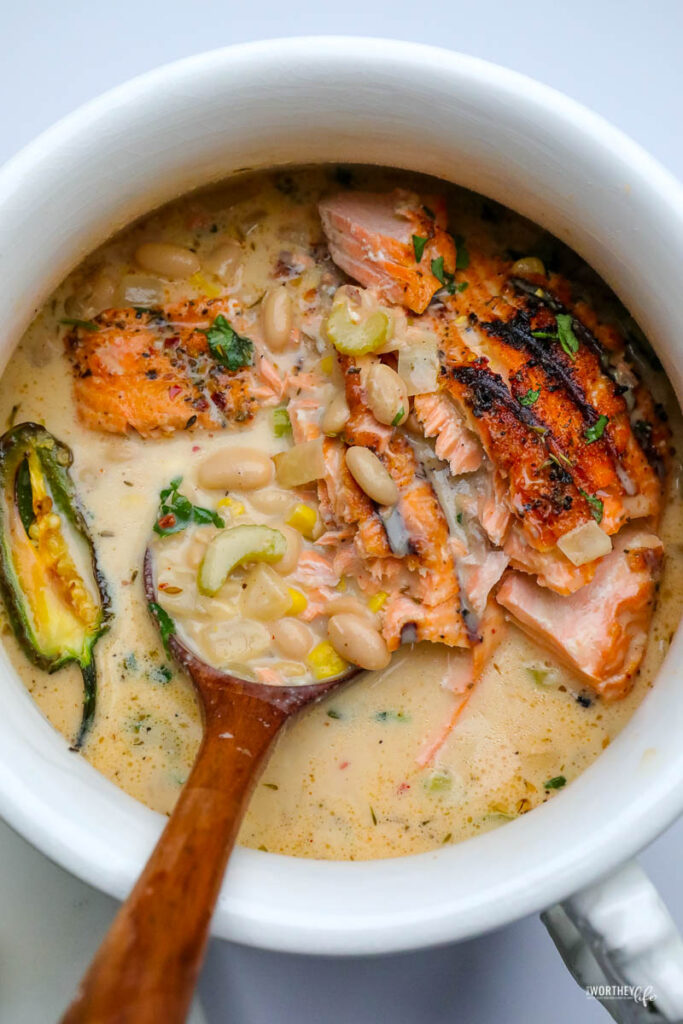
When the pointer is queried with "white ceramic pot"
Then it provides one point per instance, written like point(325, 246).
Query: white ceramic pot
point(353, 100)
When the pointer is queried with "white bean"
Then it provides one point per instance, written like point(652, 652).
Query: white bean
point(350, 605)
point(292, 637)
point(273, 502)
point(167, 260)
point(224, 260)
point(336, 415)
point(238, 469)
point(355, 639)
point(387, 395)
point(276, 318)
point(371, 476)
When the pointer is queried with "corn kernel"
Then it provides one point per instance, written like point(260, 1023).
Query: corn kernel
point(377, 601)
point(304, 519)
point(327, 365)
point(299, 602)
point(236, 508)
point(325, 662)
point(199, 282)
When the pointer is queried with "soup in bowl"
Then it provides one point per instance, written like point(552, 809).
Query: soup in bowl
point(424, 412)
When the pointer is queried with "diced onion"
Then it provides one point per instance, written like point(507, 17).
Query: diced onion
point(585, 543)
point(418, 365)
point(301, 464)
point(141, 290)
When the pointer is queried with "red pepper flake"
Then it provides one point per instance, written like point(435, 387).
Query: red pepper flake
point(174, 390)
point(172, 341)
point(403, 787)
point(167, 521)
point(344, 764)
point(196, 448)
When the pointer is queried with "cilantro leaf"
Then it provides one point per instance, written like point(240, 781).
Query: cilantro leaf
point(597, 430)
point(555, 783)
point(530, 397)
point(166, 624)
point(419, 244)
point(565, 333)
point(437, 269)
point(228, 347)
point(176, 512)
point(596, 506)
point(462, 258)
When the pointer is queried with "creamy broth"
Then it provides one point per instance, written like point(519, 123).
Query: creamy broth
point(346, 779)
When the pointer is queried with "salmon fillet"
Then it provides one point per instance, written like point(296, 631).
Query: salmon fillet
point(601, 631)
point(153, 371)
point(370, 237)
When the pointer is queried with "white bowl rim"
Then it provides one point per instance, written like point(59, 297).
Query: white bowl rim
point(323, 925)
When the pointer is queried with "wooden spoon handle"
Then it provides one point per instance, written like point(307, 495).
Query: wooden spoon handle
point(146, 969)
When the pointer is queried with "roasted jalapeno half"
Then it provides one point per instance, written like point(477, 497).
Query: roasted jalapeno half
point(56, 598)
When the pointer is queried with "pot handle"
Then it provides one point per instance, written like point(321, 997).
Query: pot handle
point(621, 945)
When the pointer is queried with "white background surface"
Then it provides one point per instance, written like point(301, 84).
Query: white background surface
point(621, 57)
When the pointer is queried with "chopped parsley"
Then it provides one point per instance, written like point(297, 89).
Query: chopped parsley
point(176, 511)
point(373, 816)
point(87, 325)
point(530, 398)
point(160, 674)
point(282, 425)
point(555, 783)
point(398, 417)
point(419, 244)
point(446, 279)
point(595, 432)
point(565, 335)
point(462, 258)
point(438, 271)
point(391, 716)
point(565, 332)
point(166, 624)
point(332, 713)
point(228, 347)
point(596, 506)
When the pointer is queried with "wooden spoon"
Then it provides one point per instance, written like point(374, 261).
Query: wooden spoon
point(146, 969)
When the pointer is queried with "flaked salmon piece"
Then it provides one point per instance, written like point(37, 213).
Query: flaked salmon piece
point(462, 676)
point(421, 517)
point(349, 505)
point(455, 444)
point(479, 575)
point(551, 568)
point(415, 529)
point(153, 371)
point(439, 624)
point(370, 236)
point(601, 631)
